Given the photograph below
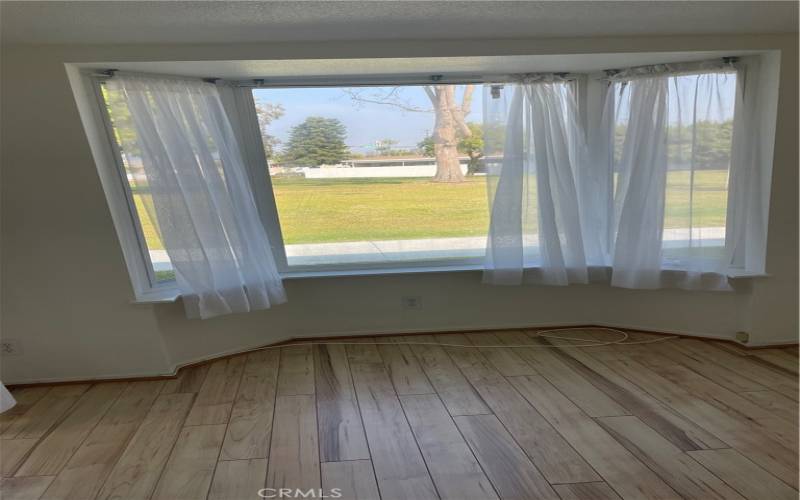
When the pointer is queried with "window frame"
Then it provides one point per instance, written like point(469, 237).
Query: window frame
point(113, 177)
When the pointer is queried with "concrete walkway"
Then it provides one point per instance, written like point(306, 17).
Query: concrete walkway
point(426, 249)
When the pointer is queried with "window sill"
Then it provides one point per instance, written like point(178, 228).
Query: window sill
point(167, 295)
point(292, 275)
point(161, 295)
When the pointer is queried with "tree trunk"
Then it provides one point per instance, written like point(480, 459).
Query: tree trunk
point(474, 163)
point(445, 138)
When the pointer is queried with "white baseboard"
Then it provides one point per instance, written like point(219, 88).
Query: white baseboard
point(351, 333)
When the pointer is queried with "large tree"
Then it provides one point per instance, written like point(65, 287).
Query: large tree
point(450, 124)
point(317, 141)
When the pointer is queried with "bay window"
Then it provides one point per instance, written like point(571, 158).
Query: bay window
point(535, 177)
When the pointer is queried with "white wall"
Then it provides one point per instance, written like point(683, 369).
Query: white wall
point(66, 293)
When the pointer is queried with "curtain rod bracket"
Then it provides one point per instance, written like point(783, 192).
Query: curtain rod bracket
point(495, 90)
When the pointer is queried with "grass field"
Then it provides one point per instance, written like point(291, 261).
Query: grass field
point(322, 210)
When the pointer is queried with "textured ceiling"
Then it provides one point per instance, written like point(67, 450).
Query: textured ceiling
point(212, 21)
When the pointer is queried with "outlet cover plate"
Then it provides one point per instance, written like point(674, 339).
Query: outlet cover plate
point(411, 302)
point(10, 347)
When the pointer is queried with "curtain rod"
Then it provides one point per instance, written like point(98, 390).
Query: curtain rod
point(676, 68)
point(372, 81)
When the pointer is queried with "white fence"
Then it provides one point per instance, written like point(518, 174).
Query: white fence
point(361, 172)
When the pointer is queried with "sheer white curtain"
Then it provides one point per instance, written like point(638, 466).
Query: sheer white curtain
point(640, 189)
point(750, 175)
point(535, 232)
point(644, 205)
point(673, 143)
point(201, 194)
point(7, 400)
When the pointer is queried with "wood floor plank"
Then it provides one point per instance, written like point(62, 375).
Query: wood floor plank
point(85, 472)
point(25, 397)
point(676, 351)
point(585, 491)
point(730, 402)
point(354, 480)
point(250, 426)
point(743, 475)
point(294, 452)
point(781, 360)
point(675, 427)
point(399, 467)
point(547, 448)
point(508, 467)
point(188, 473)
point(403, 369)
point(745, 437)
point(189, 379)
point(41, 416)
point(454, 469)
point(690, 479)
point(341, 433)
point(135, 474)
point(505, 361)
point(617, 466)
point(572, 383)
point(12, 453)
point(215, 399)
point(774, 402)
point(457, 394)
point(744, 365)
point(239, 480)
point(24, 488)
point(297, 371)
point(56, 449)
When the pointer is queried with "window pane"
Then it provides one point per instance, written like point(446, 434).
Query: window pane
point(125, 136)
point(698, 159)
point(365, 175)
point(698, 135)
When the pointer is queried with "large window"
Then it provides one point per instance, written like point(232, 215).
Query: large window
point(376, 175)
point(396, 176)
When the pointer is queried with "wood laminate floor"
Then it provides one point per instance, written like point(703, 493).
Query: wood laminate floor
point(683, 418)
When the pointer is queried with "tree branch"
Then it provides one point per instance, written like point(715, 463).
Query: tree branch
point(431, 94)
point(466, 102)
point(458, 113)
point(392, 98)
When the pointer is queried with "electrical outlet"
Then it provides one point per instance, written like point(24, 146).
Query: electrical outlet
point(411, 302)
point(10, 347)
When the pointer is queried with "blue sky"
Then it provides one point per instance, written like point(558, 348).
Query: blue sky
point(366, 122)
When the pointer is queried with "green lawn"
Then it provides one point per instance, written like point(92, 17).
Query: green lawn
point(323, 210)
